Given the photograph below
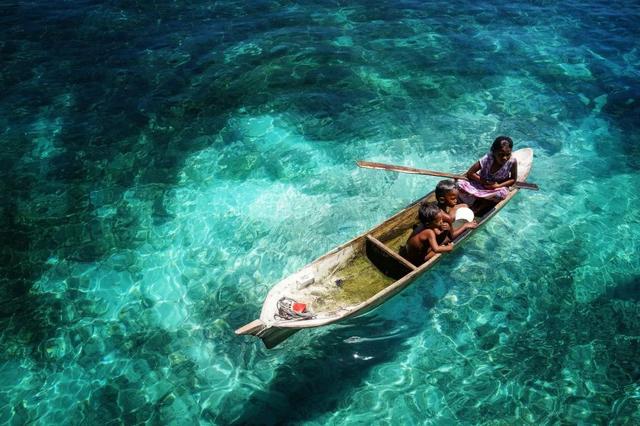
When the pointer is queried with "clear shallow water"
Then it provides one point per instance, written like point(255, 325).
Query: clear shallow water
point(164, 164)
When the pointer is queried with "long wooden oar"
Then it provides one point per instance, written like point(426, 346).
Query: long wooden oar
point(403, 169)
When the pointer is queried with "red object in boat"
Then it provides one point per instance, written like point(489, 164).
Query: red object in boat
point(299, 307)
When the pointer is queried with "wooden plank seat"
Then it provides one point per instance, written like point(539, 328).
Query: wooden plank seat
point(387, 260)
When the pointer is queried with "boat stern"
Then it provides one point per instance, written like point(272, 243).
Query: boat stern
point(270, 336)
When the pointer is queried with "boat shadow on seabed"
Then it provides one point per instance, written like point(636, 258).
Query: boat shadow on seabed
point(318, 378)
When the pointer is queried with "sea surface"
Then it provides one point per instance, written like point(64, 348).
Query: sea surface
point(164, 163)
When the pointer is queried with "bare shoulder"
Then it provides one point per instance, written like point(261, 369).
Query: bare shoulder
point(426, 233)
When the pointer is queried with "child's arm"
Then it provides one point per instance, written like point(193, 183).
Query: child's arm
point(473, 176)
point(433, 243)
point(511, 180)
point(472, 173)
point(469, 225)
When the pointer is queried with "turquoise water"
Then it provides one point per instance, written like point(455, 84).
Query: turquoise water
point(163, 164)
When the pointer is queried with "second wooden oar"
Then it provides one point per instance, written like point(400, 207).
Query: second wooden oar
point(404, 169)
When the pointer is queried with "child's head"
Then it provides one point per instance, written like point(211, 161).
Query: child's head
point(429, 214)
point(501, 149)
point(447, 193)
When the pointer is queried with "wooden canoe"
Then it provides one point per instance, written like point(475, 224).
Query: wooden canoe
point(358, 276)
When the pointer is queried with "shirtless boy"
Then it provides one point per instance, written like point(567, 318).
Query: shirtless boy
point(433, 235)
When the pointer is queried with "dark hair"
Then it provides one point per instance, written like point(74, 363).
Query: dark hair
point(444, 187)
point(500, 142)
point(428, 212)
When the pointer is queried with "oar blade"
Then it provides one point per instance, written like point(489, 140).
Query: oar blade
point(527, 185)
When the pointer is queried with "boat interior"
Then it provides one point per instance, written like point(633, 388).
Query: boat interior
point(370, 265)
point(384, 243)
